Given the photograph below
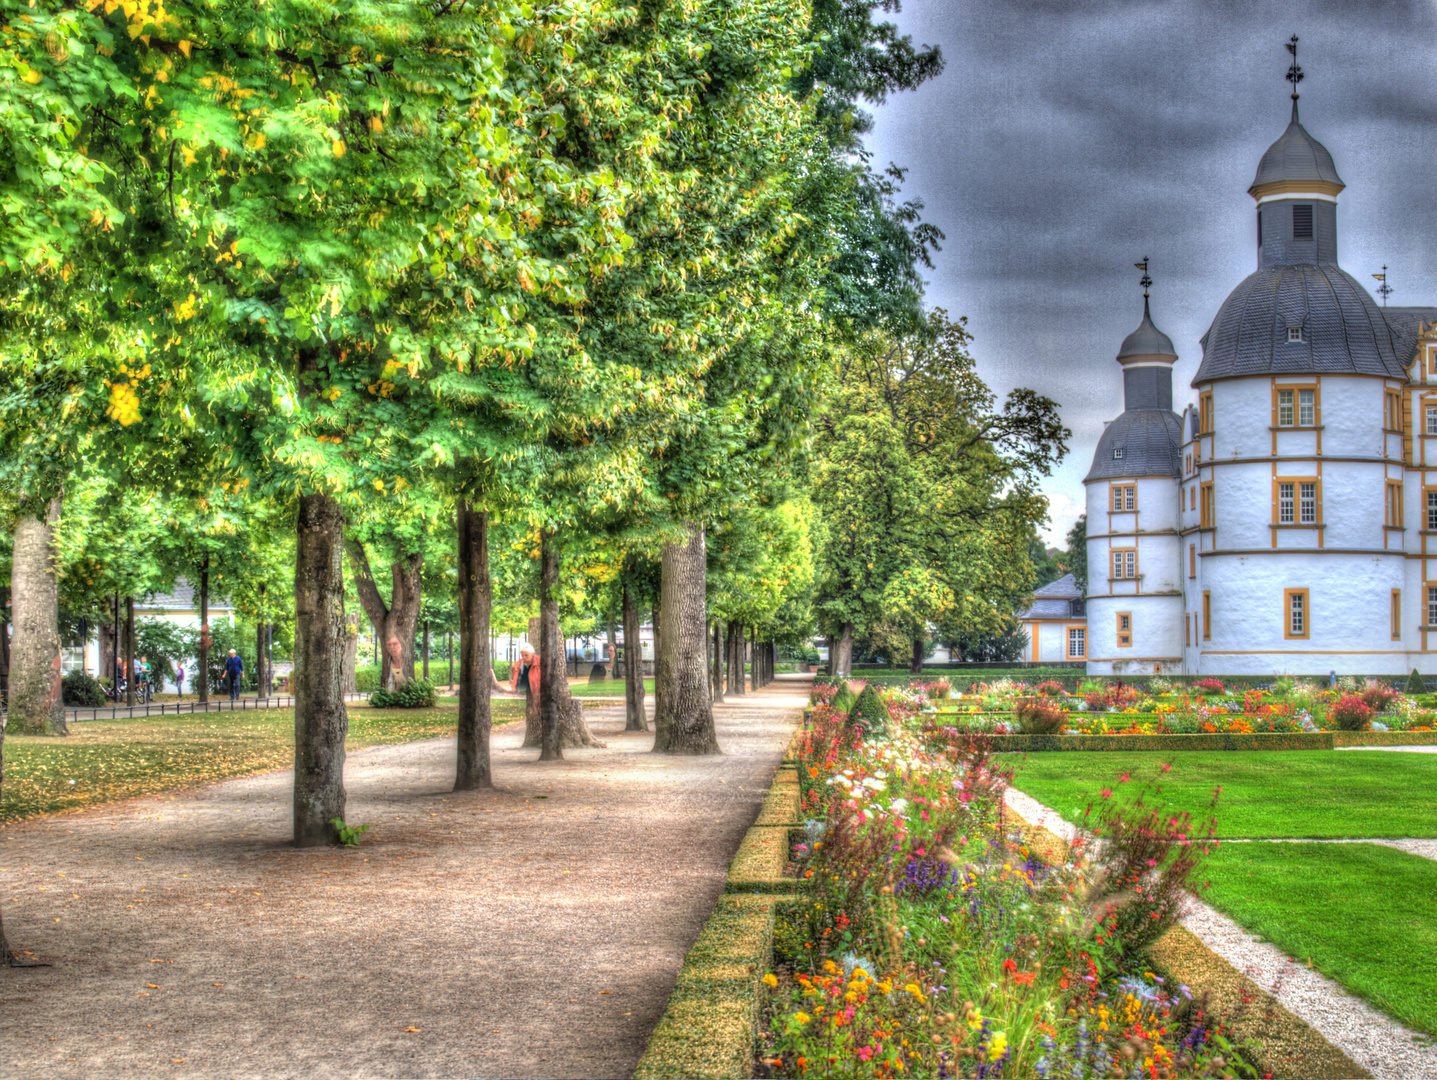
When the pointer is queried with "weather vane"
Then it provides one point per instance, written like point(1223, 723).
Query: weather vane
point(1147, 282)
point(1294, 73)
point(1384, 290)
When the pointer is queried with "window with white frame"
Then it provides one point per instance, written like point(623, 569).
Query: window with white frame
point(1307, 502)
point(1306, 408)
point(1078, 642)
point(1431, 411)
point(1294, 333)
point(1297, 613)
point(1125, 497)
point(1286, 503)
point(1284, 407)
point(1125, 563)
point(1432, 509)
point(1432, 605)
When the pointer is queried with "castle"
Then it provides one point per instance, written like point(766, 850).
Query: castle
point(1287, 522)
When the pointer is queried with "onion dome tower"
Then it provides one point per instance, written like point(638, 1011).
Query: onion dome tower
point(1300, 312)
point(1144, 440)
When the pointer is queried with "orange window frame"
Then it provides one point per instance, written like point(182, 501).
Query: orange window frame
point(1303, 599)
point(1297, 388)
point(1206, 615)
point(1125, 629)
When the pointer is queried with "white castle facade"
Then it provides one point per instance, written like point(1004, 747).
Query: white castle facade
point(1286, 522)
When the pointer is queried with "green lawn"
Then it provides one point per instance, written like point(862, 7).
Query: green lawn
point(1279, 793)
point(1365, 915)
point(607, 688)
point(119, 758)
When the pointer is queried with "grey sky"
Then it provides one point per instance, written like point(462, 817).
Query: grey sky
point(1066, 140)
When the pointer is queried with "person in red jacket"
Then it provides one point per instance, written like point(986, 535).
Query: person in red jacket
point(526, 668)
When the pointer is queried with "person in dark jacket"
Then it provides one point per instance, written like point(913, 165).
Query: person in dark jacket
point(234, 668)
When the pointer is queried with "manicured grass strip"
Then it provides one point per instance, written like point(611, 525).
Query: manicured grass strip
point(1365, 915)
point(607, 688)
point(1298, 793)
point(121, 758)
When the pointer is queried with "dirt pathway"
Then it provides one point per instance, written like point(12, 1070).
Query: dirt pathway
point(532, 931)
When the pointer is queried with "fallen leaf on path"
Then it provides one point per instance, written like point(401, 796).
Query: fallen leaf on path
point(216, 984)
point(409, 1029)
point(606, 991)
point(153, 986)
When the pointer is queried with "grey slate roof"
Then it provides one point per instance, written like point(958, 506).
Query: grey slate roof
point(1343, 328)
point(182, 597)
point(1147, 339)
point(1059, 599)
point(1403, 322)
point(1150, 441)
point(1296, 156)
point(1064, 587)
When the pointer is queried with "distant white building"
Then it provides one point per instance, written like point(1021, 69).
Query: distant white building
point(1283, 522)
point(1056, 623)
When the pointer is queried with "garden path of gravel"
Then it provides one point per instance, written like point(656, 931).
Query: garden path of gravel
point(1387, 1049)
point(530, 931)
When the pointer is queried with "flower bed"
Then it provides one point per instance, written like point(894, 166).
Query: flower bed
point(923, 941)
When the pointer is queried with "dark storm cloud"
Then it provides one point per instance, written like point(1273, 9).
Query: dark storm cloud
point(1066, 140)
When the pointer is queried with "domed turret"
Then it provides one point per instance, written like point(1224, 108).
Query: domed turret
point(1296, 162)
point(1147, 340)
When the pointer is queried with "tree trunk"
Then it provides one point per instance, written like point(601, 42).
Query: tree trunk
point(130, 651)
point(396, 622)
point(635, 718)
point(915, 665)
point(472, 769)
point(348, 684)
point(844, 653)
point(320, 720)
point(426, 650)
point(683, 710)
point(719, 645)
point(552, 681)
point(36, 707)
point(259, 658)
point(203, 675)
point(613, 641)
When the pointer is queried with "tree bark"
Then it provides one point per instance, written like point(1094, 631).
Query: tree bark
point(472, 769)
point(320, 720)
point(348, 683)
point(753, 657)
point(36, 706)
point(449, 653)
point(635, 719)
point(259, 629)
point(719, 646)
point(552, 682)
point(613, 658)
point(915, 665)
point(844, 653)
point(683, 710)
point(398, 620)
point(203, 675)
point(130, 651)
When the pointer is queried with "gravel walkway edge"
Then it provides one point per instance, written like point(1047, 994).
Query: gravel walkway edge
point(1391, 1051)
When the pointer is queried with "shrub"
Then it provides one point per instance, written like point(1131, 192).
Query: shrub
point(366, 679)
point(1209, 686)
point(1091, 686)
point(940, 689)
point(1378, 696)
point(1351, 713)
point(1051, 688)
point(869, 714)
point(415, 694)
point(79, 690)
point(844, 697)
point(1415, 685)
point(1037, 716)
point(1096, 700)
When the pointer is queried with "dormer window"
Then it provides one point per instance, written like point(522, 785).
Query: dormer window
point(1302, 221)
point(1294, 333)
point(1117, 453)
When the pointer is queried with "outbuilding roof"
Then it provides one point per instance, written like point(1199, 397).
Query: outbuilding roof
point(1403, 322)
point(1061, 599)
point(182, 597)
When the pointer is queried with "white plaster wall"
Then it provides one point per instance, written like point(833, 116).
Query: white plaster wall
point(1242, 497)
point(1349, 614)
point(1157, 635)
point(1052, 640)
point(1242, 414)
point(1353, 503)
point(1352, 416)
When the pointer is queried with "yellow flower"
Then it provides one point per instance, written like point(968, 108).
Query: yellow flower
point(770, 980)
point(998, 1046)
point(802, 1018)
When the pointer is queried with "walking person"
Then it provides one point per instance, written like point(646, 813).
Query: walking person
point(180, 680)
point(525, 670)
point(234, 668)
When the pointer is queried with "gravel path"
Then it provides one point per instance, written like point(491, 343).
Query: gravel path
point(532, 931)
point(1387, 1049)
